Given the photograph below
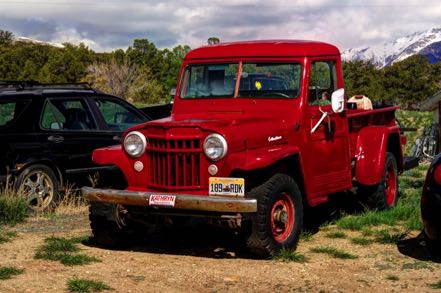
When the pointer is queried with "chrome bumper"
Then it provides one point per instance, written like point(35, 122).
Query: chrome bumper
point(183, 201)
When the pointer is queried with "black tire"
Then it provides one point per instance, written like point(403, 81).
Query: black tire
point(385, 194)
point(278, 220)
point(109, 226)
point(41, 188)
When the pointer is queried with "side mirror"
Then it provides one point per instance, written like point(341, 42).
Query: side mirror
point(172, 94)
point(338, 100)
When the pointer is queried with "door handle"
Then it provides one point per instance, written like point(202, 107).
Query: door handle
point(55, 138)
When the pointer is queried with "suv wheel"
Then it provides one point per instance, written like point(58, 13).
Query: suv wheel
point(39, 185)
point(385, 194)
point(278, 220)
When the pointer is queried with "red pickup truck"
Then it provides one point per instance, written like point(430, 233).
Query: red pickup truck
point(258, 130)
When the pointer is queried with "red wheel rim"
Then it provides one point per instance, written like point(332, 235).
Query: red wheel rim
point(390, 187)
point(282, 217)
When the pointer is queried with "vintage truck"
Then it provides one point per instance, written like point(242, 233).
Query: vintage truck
point(258, 131)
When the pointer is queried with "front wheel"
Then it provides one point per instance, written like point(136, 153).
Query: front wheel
point(385, 194)
point(278, 220)
point(110, 227)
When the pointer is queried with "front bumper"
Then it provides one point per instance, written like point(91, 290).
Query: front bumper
point(182, 202)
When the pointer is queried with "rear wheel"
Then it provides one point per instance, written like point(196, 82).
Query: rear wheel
point(385, 194)
point(278, 220)
point(39, 185)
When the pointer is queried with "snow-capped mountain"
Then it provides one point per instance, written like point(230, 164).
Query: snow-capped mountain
point(29, 40)
point(427, 43)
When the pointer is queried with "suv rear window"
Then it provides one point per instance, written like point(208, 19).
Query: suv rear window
point(10, 110)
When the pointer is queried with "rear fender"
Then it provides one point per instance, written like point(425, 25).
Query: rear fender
point(19, 167)
point(370, 154)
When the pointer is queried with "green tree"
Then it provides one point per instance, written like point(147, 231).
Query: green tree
point(6, 37)
point(213, 40)
point(171, 64)
point(29, 71)
point(410, 81)
point(362, 78)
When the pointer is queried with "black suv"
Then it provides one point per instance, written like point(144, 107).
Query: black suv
point(48, 133)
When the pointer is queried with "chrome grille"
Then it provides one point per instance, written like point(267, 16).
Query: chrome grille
point(174, 163)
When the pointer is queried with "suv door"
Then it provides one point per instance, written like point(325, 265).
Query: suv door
point(17, 139)
point(69, 133)
point(73, 127)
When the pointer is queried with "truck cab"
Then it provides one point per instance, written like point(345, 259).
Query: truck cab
point(257, 131)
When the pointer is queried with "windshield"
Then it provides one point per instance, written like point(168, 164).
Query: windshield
point(256, 80)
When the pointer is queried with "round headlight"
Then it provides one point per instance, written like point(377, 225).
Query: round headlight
point(135, 143)
point(215, 147)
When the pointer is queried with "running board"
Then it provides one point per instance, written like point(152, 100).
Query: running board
point(410, 163)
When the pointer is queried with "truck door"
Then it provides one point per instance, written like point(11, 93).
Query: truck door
point(328, 155)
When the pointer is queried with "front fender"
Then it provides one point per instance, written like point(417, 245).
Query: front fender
point(370, 154)
point(264, 157)
point(115, 155)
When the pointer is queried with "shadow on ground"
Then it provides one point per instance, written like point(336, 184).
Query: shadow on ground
point(199, 238)
point(416, 248)
point(195, 238)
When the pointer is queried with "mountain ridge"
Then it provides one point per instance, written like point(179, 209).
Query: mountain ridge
point(426, 43)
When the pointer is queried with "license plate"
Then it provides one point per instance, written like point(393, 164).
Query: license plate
point(162, 200)
point(226, 186)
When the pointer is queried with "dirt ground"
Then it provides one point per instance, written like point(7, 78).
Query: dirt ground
point(197, 258)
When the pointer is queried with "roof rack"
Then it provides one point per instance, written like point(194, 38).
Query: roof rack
point(32, 85)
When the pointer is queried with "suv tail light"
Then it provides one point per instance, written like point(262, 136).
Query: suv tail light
point(437, 175)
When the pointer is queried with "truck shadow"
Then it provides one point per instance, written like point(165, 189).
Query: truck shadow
point(197, 237)
point(191, 239)
point(340, 204)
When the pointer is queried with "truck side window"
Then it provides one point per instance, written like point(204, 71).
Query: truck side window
point(322, 83)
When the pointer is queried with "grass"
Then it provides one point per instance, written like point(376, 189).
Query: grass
point(334, 252)
point(9, 272)
point(290, 256)
point(405, 214)
point(72, 201)
point(6, 236)
point(361, 240)
point(417, 265)
point(386, 237)
point(86, 285)
point(13, 208)
point(64, 250)
point(306, 235)
point(436, 285)
point(335, 234)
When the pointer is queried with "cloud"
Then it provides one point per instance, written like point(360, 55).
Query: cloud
point(110, 24)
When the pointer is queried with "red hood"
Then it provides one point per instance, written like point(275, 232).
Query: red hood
point(238, 128)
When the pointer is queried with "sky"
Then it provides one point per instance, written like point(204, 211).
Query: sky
point(105, 25)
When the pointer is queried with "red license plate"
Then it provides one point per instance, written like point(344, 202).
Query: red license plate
point(162, 200)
